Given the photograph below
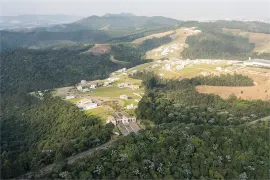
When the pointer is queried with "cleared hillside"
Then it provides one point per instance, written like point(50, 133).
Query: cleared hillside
point(261, 40)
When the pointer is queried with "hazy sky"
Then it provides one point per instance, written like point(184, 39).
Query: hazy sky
point(179, 9)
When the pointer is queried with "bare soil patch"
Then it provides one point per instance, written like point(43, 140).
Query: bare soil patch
point(158, 35)
point(173, 49)
point(261, 89)
point(99, 49)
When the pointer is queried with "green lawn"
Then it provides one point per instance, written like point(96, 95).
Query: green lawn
point(99, 111)
point(74, 100)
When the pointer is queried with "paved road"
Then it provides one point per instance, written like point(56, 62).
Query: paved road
point(70, 160)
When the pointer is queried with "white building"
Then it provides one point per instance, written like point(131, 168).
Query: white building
point(131, 106)
point(134, 87)
point(83, 81)
point(89, 106)
point(70, 97)
point(125, 97)
point(93, 86)
point(79, 88)
point(218, 68)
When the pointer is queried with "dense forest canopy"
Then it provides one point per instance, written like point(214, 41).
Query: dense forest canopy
point(37, 132)
point(31, 70)
point(179, 151)
point(133, 52)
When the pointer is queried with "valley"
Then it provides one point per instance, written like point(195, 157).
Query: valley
point(122, 96)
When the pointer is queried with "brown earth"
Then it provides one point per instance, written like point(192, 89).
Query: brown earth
point(261, 89)
point(99, 49)
point(173, 49)
point(158, 35)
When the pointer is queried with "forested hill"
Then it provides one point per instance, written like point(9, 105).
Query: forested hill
point(191, 136)
point(38, 132)
point(212, 42)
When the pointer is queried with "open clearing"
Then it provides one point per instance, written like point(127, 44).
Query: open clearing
point(261, 89)
point(261, 40)
point(158, 35)
point(99, 49)
point(173, 49)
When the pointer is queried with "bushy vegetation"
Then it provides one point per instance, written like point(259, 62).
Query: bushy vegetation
point(217, 45)
point(213, 43)
point(24, 70)
point(133, 53)
point(180, 151)
point(38, 132)
point(169, 101)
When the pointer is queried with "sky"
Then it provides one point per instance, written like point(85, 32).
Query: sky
point(178, 9)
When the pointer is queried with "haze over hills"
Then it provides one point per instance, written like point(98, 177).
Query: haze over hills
point(91, 82)
point(32, 21)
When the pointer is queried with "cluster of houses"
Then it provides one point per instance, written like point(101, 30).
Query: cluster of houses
point(181, 64)
point(86, 104)
point(128, 85)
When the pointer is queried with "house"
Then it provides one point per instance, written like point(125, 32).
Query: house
point(70, 97)
point(93, 86)
point(121, 118)
point(131, 106)
point(79, 88)
point(134, 87)
point(218, 68)
point(121, 85)
point(89, 106)
point(83, 81)
point(125, 97)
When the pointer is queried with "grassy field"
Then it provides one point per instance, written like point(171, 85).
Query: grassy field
point(99, 111)
point(74, 100)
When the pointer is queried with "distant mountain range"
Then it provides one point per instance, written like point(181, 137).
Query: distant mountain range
point(32, 21)
point(112, 22)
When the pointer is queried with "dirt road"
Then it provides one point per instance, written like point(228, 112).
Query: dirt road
point(70, 160)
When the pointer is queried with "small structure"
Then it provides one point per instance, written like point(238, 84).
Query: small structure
point(90, 106)
point(218, 68)
point(83, 81)
point(93, 86)
point(70, 97)
point(121, 85)
point(134, 87)
point(85, 90)
point(121, 118)
point(131, 106)
point(125, 97)
point(79, 88)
